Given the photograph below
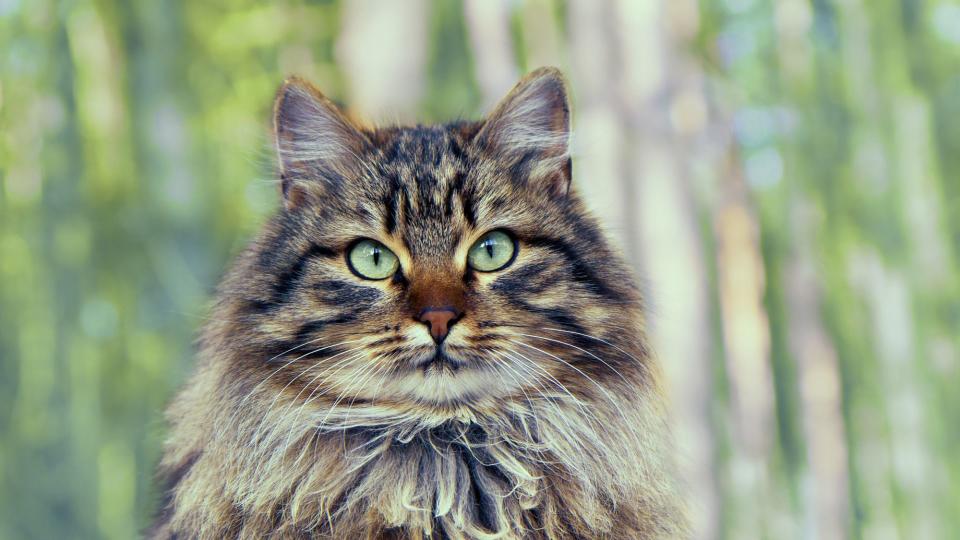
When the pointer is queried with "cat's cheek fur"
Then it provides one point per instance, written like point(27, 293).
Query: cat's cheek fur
point(322, 405)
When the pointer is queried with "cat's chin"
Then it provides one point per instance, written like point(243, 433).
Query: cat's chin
point(444, 379)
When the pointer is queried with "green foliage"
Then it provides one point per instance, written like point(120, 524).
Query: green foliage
point(135, 160)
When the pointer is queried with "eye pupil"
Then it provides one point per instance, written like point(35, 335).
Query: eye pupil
point(493, 251)
point(371, 260)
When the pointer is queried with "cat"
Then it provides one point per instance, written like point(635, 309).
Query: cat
point(431, 339)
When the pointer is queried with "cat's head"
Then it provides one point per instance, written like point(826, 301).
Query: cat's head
point(448, 264)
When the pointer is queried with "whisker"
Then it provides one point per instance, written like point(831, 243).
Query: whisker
point(353, 377)
point(541, 391)
point(559, 412)
point(531, 364)
point(357, 377)
point(266, 414)
point(613, 369)
point(604, 390)
point(339, 365)
point(578, 370)
point(243, 401)
point(601, 340)
point(586, 413)
point(379, 369)
point(342, 363)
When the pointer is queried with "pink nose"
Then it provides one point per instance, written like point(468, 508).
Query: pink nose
point(439, 320)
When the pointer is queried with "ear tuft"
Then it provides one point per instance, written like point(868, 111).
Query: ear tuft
point(317, 146)
point(531, 126)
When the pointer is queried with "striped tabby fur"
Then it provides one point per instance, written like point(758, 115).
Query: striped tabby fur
point(316, 411)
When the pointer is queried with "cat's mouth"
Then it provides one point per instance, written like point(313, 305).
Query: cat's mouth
point(440, 360)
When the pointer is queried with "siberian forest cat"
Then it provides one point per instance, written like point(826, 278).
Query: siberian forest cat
point(431, 339)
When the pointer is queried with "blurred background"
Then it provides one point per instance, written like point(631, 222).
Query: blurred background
point(784, 175)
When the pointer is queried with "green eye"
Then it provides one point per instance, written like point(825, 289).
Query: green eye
point(370, 259)
point(492, 251)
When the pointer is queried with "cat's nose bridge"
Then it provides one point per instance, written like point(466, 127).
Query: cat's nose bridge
point(434, 293)
point(437, 301)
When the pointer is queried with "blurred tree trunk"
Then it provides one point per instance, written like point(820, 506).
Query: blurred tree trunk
point(382, 48)
point(825, 490)
point(639, 109)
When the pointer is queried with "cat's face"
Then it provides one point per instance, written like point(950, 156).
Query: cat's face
point(437, 265)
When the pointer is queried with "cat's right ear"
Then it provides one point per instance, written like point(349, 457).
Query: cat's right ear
point(529, 131)
point(317, 146)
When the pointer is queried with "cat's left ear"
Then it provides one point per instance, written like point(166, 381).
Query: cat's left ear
point(318, 148)
point(529, 130)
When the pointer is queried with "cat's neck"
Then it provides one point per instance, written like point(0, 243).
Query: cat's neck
point(547, 464)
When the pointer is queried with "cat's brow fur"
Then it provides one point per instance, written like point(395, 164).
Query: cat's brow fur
point(308, 415)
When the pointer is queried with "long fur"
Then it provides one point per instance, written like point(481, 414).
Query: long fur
point(312, 413)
